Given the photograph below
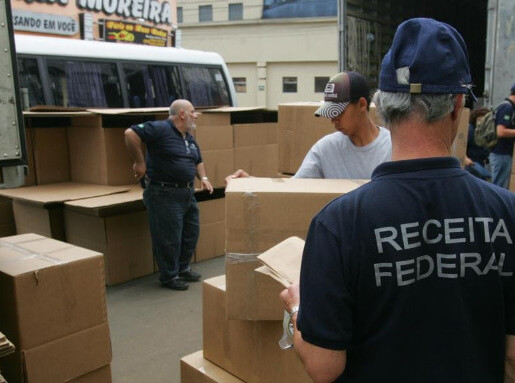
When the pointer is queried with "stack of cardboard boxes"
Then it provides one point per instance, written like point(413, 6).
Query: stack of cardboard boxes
point(242, 313)
point(53, 309)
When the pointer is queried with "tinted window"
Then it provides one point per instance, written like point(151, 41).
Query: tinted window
point(205, 13)
point(151, 85)
point(30, 80)
point(320, 83)
point(236, 11)
point(84, 84)
point(205, 86)
point(289, 84)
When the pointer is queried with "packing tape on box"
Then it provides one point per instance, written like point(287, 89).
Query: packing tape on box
point(251, 221)
point(241, 257)
point(28, 254)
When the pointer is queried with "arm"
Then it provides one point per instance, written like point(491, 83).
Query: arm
point(237, 174)
point(322, 365)
point(509, 365)
point(201, 174)
point(133, 144)
point(504, 132)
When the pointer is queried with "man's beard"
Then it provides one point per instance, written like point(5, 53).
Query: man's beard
point(190, 124)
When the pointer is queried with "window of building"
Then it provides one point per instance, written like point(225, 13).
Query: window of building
point(320, 83)
point(205, 13)
point(240, 84)
point(289, 84)
point(179, 15)
point(236, 11)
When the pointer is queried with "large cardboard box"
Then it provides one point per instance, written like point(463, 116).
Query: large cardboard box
point(97, 153)
point(215, 137)
point(298, 130)
point(196, 369)
point(50, 290)
point(51, 155)
point(255, 134)
point(211, 241)
point(247, 349)
point(219, 164)
point(117, 226)
point(459, 146)
point(231, 115)
point(260, 161)
point(260, 213)
point(84, 356)
point(39, 209)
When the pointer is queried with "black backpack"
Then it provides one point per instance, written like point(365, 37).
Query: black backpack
point(485, 134)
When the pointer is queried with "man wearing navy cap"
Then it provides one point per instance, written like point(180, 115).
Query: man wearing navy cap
point(357, 146)
point(501, 156)
point(410, 278)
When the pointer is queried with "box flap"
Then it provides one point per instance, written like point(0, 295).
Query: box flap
point(231, 109)
point(69, 357)
point(21, 254)
point(60, 192)
point(112, 204)
point(292, 185)
point(284, 259)
point(129, 110)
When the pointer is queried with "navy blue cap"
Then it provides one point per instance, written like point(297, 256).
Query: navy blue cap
point(426, 56)
point(512, 90)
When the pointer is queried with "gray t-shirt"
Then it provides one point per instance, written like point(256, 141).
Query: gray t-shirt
point(335, 156)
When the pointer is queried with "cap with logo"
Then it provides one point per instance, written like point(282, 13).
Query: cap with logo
point(426, 56)
point(340, 91)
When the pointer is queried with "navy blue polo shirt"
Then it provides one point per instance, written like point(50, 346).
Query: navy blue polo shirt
point(504, 115)
point(412, 274)
point(169, 157)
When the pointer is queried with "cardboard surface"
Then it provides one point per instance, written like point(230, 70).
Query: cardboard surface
point(255, 134)
point(59, 192)
point(70, 358)
point(285, 259)
point(51, 155)
point(211, 241)
point(219, 164)
point(259, 161)
point(46, 221)
point(124, 239)
point(262, 212)
point(267, 287)
point(298, 130)
point(7, 224)
point(214, 137)
point(247, 349)
point(50, 289)
point(196, 369)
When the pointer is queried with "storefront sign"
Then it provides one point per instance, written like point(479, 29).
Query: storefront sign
point(115, 31)
point(44, 23)
point(151, 10)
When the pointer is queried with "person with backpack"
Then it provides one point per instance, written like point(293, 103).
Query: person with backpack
point(476, 160)
point(501, 154)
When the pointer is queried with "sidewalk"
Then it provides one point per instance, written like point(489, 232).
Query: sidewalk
point(152, 328)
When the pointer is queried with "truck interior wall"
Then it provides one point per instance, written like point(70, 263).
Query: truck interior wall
point(381, 17)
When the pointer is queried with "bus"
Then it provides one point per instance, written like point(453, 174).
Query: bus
point(75, 73)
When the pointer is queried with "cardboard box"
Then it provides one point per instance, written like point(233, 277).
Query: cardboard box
point(247, 349)
point(196, 369)
point(459, 146)
point(7, 224)
point(38, 209)
point(259, 161)
point(255, 134)
point(78, 357)
point(117, 226)
point(231, 115)
point(260, 213)
point(50, 290)
point(219, 164)
point(211, 242)
point(216, 137)
point(51, 155)
point(298, 130)
point(98, 154)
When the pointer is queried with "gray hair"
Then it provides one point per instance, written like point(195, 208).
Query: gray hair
point(395, 107)
point(177, 106)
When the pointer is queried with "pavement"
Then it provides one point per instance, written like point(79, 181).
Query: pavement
point(152, 328)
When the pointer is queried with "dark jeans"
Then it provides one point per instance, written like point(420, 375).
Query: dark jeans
point(173, 218)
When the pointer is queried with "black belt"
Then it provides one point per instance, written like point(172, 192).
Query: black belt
point(173, 184)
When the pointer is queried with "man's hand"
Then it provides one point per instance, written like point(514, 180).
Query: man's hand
point(290, 297)
point(139, 169)
point(237, 174)
point(206, 185)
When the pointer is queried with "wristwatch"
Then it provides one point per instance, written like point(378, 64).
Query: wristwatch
point(294, 309)
point(205, 179)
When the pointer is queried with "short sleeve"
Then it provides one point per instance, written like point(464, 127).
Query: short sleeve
point(147, 131)
point(310, 167)
point(503, 114)
point(325, 316)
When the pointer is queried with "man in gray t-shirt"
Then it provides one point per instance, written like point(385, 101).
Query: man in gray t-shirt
point(358, 146)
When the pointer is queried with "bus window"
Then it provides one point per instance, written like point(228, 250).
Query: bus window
point(205, 86)
point(84, 84)
point(151, 85)
point(29, 79)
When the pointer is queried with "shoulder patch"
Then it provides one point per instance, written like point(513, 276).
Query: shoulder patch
point(506, 118)
point(141, 125)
